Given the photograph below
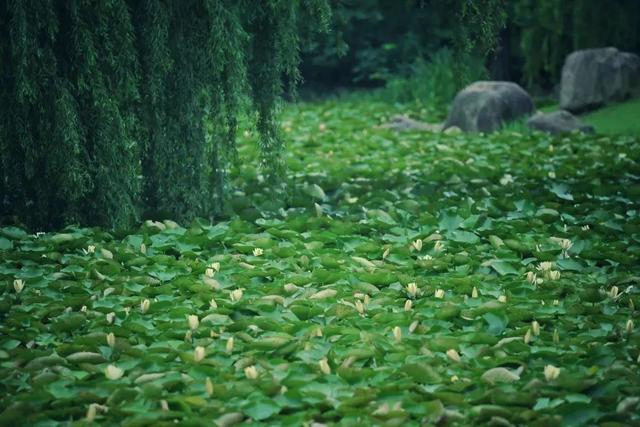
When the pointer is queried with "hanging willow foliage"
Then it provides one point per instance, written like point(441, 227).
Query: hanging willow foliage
point(117, 108)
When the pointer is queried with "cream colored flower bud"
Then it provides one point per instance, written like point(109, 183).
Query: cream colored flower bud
point(110, 317)
point(143, 248)
point(18, 285)
point(144, 305)
point(453, 355)
point(215, 266)
point(359, 307)
point(454, 378)
point(531, 277)
point(556, 302)
point(257, 251)
point(502, 298)
point(535, 328)
point(324, 366)
point(554, 275)
point(408, 305)
point(112, 372)
point(474, 292)
point(91, 413)
point(251, 372)
point(413, 326)
point(290, 288)
point(366, 300)
point(439, 246)
point(629, 326)
point(164, 405)
point(545, 266)
point(397, 333)
point(91, 249)
point(209, 272)
point(111, 339)
point(199, 353)
point(213, 303)
point(208, 386)
point(613, 292)
point(193, 321)
point(236, 295)
point(412, 289)
point(527, 336)
point(551, 372)
point(417, 245)
point(386, 252)
point(230, 344)
point(439, 293)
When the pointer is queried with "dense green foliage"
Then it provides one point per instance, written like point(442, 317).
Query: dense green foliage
point(325, 282)
point(123, 107)
point(381, 40)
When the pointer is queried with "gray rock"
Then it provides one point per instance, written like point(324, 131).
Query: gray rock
point(403, 123)
point(594, 77)
point(484, 106)
point(558, 122)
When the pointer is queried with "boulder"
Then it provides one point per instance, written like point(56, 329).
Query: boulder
point(484, 106)
point(594, 77)
point(403, 123)
point(558, 122)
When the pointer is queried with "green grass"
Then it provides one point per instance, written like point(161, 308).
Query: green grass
point(322, 330)
point(623, 118)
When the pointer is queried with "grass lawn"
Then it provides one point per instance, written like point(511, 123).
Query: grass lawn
point(402, 279)
point(623, 118)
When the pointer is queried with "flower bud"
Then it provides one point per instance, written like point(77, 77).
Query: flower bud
point(199, 353)
point(112, 372)
point(193, 321)
point(551, 372)
point(111, 339)
point(453, 355)
point(251, 372)
point(324, 366)
point(397, 333)
point(144, 305)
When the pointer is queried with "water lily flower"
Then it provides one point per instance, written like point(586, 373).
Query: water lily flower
point(359, 307)
point(199, 353)
point(527, 336)
point(454, 378)
point(143, 248)
point(585, 227)
point(545, 266)
point(453, 355)
point(417, 245)
point(209, 272)
point(91, 413)
point(397, 333)
point(213, 303)
point(110, 317)
point(531, 277)
point(257, 251)
point(535, 328)
point(164, 405)
point(236, 295)
point(111, 339)
point(408, 305)
point(324, 366)
point(506, 179)
point(208, 386)
point(474, 292)
point(366, 299)
point(554, 275)
point(556, 302)
point(427, 257)
point(91, 249)
point(385, 254)
point(551, 372)
point(144, 305)
point(439, 246)
point(412, 289)
point(112, 372)
point(502, 298)
point(439, 293)
point(251, 372)
point(413, 326)
point(215, 266)
point(629, 326)
point(230, 343)
point(18, 285)
point(613, 293)
point(193, 321)
point(290, 288)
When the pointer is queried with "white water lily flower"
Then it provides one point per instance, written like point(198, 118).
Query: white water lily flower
point(144, 305)
point(474, 292)
point(112, 372)
point(397, 333)
point(257, 251)
point(613, 292)
point(502, 298)
point(551, 372)
point(208, 386)
point(385, 254)
point(230, 344)
point(236, 295)
point(629, 326)
point(209, 272)
point(439, 293)
point(412, 289)
point(111, 339)
point(532, 277)
point(359, 307)
point(506, 179)
point(324, 366)
point(408, 305)
point(199, 353)
point(554, 275)
point(417, 245)
point(213, 303)
point(290, 288)
point(143, 248)
point(193, 321)
point(18, 285)
point(439, 246)
point(91, 249)
point(527, 336)
point(453, 355)
point(545, 266)
point(251, 372)
point(215, 266)
point(413, 326)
